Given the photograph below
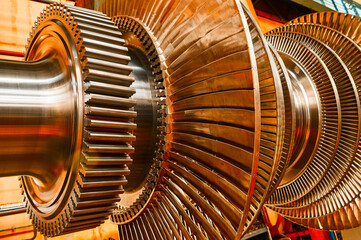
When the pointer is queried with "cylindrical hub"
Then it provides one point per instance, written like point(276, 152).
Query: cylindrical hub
point(67, 120)
point(37, 112)
point(307, 110)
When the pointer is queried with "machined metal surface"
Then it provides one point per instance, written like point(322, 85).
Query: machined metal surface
point(328, 198)
point(66, 114)
point(38, 117)
point(148, 156)
point(297, 117)
point(222, 104)
point(147, 110)
point(228, 120)
point(11, 209)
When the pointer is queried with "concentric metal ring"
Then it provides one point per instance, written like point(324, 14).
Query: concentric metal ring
point(331, 111)
point(333, 197)
point(240, 123)
point(144, 41)
point(226, 116)
point(103, 112)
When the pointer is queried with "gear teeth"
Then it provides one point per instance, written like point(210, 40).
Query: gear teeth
point(96, 23)
point(101, 181)
point(99, 193)
point(107, 148)
point(108, 101)
point(98, 44)
point(125, 214)
point(108, 39)
point(94, 203)
point(107, 124)
point(107, 160)
point(100, 30)
point(100, 111)
point(106, 171)
point(108, 118)
point(110, 56)
point(108, 89)
point(110, 77)
point(92, 17)
point(108, 137)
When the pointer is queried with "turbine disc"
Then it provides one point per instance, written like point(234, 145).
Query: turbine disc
point(95, 174)
point(225, 122)
point(229, 120)
point(329, 199)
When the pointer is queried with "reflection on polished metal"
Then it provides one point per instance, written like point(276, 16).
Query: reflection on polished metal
point(326, 195)
point(228, 120)
point(217, 169)
point(38, 117)
point(249, 122)
point(146, 121)
point(11, 209)
point(149, 147)
point(66, 119)
point(307, 126)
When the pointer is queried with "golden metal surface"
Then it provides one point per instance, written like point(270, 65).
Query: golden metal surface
point(326, 195)
point(69, 109)
point(229, 120)
point(232, 98)
point(225, 115)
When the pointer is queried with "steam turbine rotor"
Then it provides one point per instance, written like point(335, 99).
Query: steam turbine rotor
point(209, 119)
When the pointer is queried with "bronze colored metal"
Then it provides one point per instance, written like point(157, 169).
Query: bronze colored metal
point(223, 113)
point(330, 199)
point(249, 122)
point(228, 120)
point(149, 151)
point(66, 119)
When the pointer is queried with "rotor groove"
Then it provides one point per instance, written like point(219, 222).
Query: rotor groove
point(333, 117)
point(336, 208)
point(191, 91)
point(125, 214)
point(93, 195)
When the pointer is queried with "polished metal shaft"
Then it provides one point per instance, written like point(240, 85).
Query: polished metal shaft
point(146, 108)
point(37, 113)
point(227, 122)
point(308, 110)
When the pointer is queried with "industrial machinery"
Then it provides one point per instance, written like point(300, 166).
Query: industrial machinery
point(226, 120)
